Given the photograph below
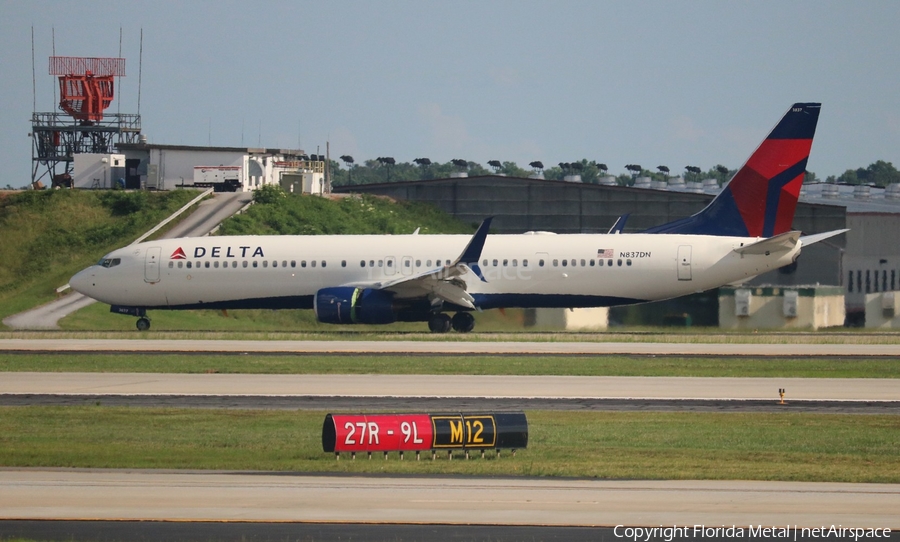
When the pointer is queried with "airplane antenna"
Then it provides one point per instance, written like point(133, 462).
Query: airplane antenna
point(33, 76)
point(140, 67)
point(119, 78)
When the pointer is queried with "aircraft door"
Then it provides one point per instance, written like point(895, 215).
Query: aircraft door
point(684, 262)
point(151, 265)
point(390, 265)
point(406, 266)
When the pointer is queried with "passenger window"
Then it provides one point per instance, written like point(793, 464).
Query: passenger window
point(275, 263)
point(524, 263)
point(216, 264)
point(189, 265)
point(515, 263)
point(312, 263)
point(574, 262)
point(234, 264)
point(255, 263)
point(171, 265)
point(428, 263)
point(448, 262)
point(619, 262)
point(418, 263)
point(583, 264)
point(206, 265)
point(293, 263)
point(565, 263)
point(180, 265)
point(302, 263)
point(555, 263)
point(371, 263)
point(324, 263)
point(505, 263)
point(628, 263)
point(609, 263)
point(592, 263)
point(406, 263)
point(496, 263)
point(390, 263)
point(283, 263)
point(362, 263)
point(380, 263)
point(243, 264)
point(343, 263)
point(540, 263)
point(265, 263)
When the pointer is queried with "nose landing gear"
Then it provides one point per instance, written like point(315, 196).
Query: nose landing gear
point(143, 323)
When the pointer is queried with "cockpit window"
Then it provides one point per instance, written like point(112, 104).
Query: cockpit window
point(109, 262)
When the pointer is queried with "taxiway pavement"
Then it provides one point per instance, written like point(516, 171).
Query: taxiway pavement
point(482, 386)
point(450, 347)
point(196, 496)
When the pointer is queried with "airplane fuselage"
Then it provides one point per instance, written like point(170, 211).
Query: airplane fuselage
point(527, 270)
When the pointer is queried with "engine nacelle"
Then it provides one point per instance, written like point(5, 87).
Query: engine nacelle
point(346, 305)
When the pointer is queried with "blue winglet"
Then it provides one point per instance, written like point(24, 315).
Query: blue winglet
point(472, 253)
point(620, 224)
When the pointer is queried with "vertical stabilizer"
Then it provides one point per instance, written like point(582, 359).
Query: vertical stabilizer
point(760, 200)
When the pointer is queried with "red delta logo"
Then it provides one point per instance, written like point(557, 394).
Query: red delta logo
point(178, 255)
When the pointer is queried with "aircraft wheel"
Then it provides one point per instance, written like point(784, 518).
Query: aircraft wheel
point(463, 322)
point(439, 323)
point(143, 324)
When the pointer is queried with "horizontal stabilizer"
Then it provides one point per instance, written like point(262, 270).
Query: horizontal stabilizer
point(779, 243)
point(807, 240)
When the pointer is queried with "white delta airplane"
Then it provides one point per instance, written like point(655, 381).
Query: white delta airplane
point(381, 279)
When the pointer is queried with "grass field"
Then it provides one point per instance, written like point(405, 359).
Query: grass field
point(461, 365)
point(807, 447)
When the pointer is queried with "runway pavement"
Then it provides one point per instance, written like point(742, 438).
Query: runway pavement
point(198, 496)
point(460, 386)
point(453, 347)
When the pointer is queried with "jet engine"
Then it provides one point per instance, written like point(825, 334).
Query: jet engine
point(347, 305)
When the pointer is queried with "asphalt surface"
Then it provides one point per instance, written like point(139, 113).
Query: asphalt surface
point(129, 495)
point(438, 404)
point(453, 386)
point(449, 347)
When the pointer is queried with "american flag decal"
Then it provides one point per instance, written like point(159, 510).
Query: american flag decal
point(605, 252)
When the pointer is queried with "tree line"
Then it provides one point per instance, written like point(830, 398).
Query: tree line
point(387, 169)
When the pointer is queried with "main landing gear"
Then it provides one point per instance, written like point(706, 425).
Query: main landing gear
point(143, 323)
point(462, 322)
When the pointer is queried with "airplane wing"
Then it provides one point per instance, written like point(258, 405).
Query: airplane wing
point(445, 282)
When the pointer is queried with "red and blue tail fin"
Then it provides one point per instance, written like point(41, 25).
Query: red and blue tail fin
point(761, 198)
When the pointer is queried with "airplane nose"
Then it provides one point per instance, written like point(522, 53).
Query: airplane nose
point(82, 281)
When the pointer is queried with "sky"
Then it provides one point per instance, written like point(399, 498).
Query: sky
point(653, 82)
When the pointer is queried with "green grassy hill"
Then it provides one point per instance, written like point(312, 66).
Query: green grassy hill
point(278, 213)
point(47, 236)
point(50, 235)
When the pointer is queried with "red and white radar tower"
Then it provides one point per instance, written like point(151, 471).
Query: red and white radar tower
point(86, 90)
